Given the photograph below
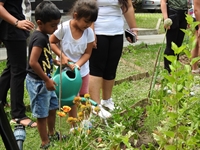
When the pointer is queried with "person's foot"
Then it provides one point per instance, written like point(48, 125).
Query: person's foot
point(27, 122)
point(108, 104)
point(196, 71)
point(104, 114)
point(45, 146)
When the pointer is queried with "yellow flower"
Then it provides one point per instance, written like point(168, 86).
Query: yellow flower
point(79, 129)
point(66, 109)
point(88, 131)
point(77, 99)
point(61, 114)
point(75, 120)
point(80, 119)
point(87, 95)
point(83, 107)
point(70, 120)
point(96, 109)
point(80, 114)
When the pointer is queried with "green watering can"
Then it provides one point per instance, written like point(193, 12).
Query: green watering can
point(71, 84)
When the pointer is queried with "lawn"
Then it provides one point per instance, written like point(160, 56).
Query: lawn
point(149, 21)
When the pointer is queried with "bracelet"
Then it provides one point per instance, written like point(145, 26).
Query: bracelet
point(16, 23)
point(77, 66)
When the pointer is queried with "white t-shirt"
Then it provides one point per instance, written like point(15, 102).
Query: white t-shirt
point(75, 48)
point(110, 18)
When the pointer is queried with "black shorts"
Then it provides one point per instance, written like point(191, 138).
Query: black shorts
point(104, 60)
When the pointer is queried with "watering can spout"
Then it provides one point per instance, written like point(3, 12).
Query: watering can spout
point(70, 82)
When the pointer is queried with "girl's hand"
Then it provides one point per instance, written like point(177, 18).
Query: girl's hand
point(50, 85)
point(95, 42)
point(65, 61)
point(25, 25)
point(73, 66)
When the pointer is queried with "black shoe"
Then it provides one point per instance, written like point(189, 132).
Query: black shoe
point(45, 147)
point(56, 137)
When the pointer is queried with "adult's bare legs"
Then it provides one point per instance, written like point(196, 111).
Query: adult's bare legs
point(195, 53)
point(95, 85)
point(107, 89)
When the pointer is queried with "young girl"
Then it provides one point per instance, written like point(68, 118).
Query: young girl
point(77, 41)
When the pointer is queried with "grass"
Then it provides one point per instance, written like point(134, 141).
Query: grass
point(124, 94)
point(149, 21)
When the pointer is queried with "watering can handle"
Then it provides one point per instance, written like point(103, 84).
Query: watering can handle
point(58, 69)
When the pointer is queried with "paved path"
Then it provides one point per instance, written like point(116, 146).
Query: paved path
point(148, 39)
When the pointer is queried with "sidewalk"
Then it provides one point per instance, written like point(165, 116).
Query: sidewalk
point(148, 39)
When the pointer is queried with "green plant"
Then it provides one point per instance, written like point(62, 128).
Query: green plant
point(179, 128)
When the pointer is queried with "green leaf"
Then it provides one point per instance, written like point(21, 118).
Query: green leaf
point(169, 134)
point(179, 87)
point(174, 47)
point(170, 147)
point(171, 58)
point(188, 68)
point(195, 60)
point(187, 53)
point(172, 115)
point(180, 49)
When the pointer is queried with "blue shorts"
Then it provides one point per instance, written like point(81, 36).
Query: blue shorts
point(41, 100)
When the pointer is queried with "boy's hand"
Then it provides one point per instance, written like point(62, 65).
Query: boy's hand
point(50, 85)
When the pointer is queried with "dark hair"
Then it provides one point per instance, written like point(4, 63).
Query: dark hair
point(47, 11)
point(124, 5)
point(86, 9)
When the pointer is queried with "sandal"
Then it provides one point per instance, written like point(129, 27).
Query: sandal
point(45, 147)
point(197, 71)
point(29, 124)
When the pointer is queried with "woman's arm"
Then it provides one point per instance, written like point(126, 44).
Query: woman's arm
point(130, 17)
point(163, 5)
point(22, 24)
point(197, 14)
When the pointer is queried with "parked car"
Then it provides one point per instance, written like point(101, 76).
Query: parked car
point(151, 5)
point(63, 5)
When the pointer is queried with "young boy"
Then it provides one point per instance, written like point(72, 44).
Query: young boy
point(39, 84)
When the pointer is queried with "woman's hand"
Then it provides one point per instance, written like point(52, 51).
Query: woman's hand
point(25, 25)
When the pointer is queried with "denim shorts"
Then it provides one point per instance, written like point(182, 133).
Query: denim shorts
point(41, 100)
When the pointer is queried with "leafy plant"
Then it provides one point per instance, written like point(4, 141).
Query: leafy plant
point(179, 128)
